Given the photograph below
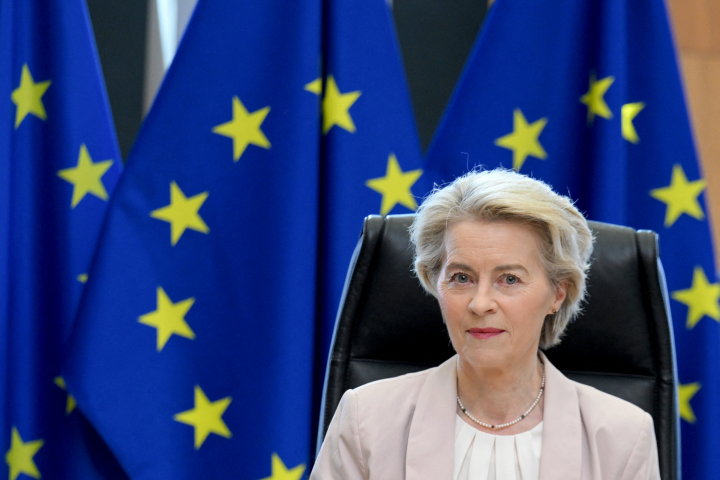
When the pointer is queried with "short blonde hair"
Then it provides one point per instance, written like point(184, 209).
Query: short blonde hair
point(565, 239)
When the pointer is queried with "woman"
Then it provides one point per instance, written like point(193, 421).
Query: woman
point(506, 258)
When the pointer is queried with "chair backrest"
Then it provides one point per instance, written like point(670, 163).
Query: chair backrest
point(621, 344)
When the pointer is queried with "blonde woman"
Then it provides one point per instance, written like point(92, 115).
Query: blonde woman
point(507, 259)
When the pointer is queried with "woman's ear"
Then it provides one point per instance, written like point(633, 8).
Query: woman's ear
point(560, 294)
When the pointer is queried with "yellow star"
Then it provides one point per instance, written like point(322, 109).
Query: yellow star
point(86, 176)
point(315, 86)
point(28, 97)
point(628, 112)
point(524, 139)
point(594, 98)
point(680, 196)
point(206, 417)
point(20, 456)
point(182, 213)
point(82, 278)
point(244, 128)
point(701, 298)
point(169, 318)
point(395, 186)
point(685, 393)
point(336, 107)
point(70, 405)
point(280, 471)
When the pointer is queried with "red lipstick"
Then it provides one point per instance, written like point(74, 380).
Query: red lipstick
point(483, 333)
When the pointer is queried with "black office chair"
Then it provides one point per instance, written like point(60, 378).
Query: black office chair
point(622, 344)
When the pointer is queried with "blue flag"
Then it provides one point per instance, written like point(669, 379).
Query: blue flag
point(371, 151)
point(200, 338)
point(59, 162)
point(211, 302)
point(193, 351)
point(586, 95)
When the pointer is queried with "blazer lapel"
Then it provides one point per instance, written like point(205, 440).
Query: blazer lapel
point(561, 457)
point(431, 440)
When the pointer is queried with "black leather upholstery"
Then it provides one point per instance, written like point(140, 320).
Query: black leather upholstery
point(622, 343)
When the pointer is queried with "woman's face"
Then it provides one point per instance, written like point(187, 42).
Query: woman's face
point(493, 292)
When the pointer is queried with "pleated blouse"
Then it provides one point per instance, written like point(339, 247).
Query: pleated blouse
point(484, 456)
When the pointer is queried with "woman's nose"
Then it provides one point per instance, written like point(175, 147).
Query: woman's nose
point(483, 302)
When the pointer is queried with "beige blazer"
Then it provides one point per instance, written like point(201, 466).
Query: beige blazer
point(404, 427)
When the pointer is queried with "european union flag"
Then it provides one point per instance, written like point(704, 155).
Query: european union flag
point(371, 151)
point(59, 162)
point(272, 136)
point(586, 95)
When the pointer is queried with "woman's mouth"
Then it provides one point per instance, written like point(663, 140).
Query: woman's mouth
point(483, 333)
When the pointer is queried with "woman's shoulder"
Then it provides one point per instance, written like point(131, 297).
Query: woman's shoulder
point(380, 412)
point(390, 399)
point(600, 410)
point(371, 426)
point(407, 386)
point(621, 435)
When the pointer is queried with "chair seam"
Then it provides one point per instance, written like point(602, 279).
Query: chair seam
point(579, 372)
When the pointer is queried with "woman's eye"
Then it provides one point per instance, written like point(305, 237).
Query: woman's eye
point(511, 279)
point(461, 278)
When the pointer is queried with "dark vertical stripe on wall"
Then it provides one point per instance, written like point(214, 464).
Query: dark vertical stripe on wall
point(436, 37)
point(120, 35)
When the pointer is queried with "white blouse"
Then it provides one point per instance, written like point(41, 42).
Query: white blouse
point(483, 456)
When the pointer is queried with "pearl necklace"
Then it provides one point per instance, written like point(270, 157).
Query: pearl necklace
point(505, 425)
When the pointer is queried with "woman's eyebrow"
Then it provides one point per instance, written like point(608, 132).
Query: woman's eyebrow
point(459, 266)
point(514, 266)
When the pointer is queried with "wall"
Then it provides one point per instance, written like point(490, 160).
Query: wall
point(120, 37)
point(697, 36)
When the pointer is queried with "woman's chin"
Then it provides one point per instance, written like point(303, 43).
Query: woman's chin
point(486, 357)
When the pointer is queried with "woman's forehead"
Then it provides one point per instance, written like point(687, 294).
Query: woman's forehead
point(504, 242)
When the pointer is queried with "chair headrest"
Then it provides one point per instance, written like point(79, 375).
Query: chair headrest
point(612, 334)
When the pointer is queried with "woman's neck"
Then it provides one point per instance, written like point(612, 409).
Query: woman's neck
point(497, 395)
